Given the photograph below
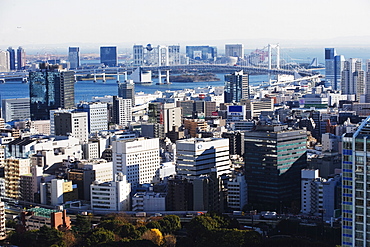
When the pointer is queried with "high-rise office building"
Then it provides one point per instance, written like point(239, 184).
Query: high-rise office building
point(353, 78)
point(4, 61)
point(236, 87)
point(174, 54)
point(109, 56)
point(21, 57)
point(74, 57)
point(274, 158)
point(138, 159)
point(126, 90)
point(122, 111)
point(367, 86)
point(97, 114)
point(234, 50)
point(201, 156)
point(138, 51)
point(15, 109)
point(355, 190)
point(50, 88)
point(11, 58)
point(333, 69)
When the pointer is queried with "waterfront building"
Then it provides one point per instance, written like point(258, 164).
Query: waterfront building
point(174, 54)
point(97, 115)
point(355, 200)
point(72, 124)
point(353, 78)
point(122, 111)
point(74, 57)
point(126, 90)
point(234, 50)
point(111, 196)
point(138, 159)
point(201, 53)
point(274, 157)
point(4, 61)
point(21, 58)
point(12, 59)
point(138, 53)
point(50, 88)
point(334, 65)
point(109, 56)
point(201, 156)
point(15, 109)
point(236, 87)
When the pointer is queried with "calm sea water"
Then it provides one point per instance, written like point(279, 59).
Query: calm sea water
point(85, 90)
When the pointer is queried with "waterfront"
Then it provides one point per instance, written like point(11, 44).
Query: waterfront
point(85, 90)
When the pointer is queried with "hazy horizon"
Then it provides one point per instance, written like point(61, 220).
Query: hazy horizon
point(41, 24)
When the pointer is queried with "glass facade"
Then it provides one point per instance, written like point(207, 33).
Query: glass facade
point(108, 56)
point(50, 89)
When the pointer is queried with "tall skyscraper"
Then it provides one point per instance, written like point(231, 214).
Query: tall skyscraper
point(236, 87)
point(50, 88)
point(367, 86)
point(353, 78)
point(274, 158)
point(355, 192)
point(126, 90)
point(108, 56)
point(234, 50)
point(333, 69)
point(174, 54)
point(21, 57)
point(138, 51)
point(11, 58)
point(74, 57)
point(4, 61)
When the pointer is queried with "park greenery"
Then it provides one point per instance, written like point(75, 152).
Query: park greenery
point(211, 229)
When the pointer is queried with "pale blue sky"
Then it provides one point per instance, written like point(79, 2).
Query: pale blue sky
point(30, 22)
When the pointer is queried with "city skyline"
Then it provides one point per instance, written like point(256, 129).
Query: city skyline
point(110, 23)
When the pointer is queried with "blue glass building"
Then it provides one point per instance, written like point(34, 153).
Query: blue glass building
point(50, 88)
point(108, 56)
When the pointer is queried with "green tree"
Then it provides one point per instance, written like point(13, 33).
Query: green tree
point(82, 224)
point(154, 225)
point(100, 237)
point(200, 226)
point(175, 222)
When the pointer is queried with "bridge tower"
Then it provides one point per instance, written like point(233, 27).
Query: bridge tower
point(273, 52)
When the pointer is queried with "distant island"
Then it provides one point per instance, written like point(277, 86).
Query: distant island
point(194, 77)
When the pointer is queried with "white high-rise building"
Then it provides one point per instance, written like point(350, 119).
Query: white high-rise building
point(353, 78)
point(16, 109)
point(200, 156)
point(122, 111)
point(97, 113)
point(4, 61)
point(237, 196)
point(138, 159)
point(111, 196)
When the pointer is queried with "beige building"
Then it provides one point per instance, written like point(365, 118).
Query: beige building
point(14, 169)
